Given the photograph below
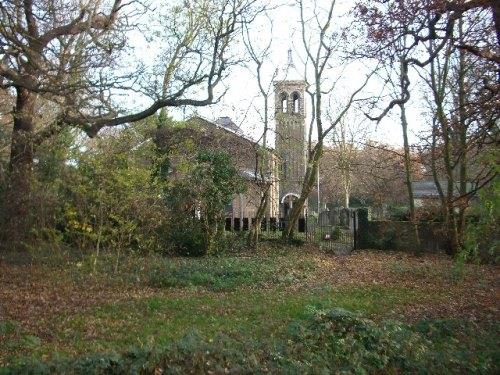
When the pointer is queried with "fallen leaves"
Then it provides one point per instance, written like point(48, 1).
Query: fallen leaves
point(41, 298)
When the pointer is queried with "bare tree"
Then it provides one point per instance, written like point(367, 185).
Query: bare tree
point(346, 141)
point(462, 132)
point(381, 176)
point(395, 57)
point(264, 160)
point(319, 46)
point(428, 35)
point(72, 56)
point(390, 23)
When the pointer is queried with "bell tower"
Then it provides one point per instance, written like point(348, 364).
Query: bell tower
point(290, 136)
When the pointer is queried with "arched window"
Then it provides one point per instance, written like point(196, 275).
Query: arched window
point(296, 102)
point(284, 102)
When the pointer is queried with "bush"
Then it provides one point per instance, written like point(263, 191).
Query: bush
point(97, 196)
point(399, 213)
point(228, 273)
point(340, 340)
point(185, 237)
point(198, 188)
point(482, 234)
point(336, 234)
point(335, 341)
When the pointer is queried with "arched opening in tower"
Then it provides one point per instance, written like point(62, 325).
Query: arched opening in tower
point(287, 203)
point(296, 102)
point(284, 103)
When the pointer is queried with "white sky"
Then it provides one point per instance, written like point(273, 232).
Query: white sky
point(242, 102)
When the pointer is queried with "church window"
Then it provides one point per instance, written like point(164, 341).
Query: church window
point(284, 102)
point(296, 102)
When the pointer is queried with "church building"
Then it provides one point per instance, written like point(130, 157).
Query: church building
point(287, 160)
point(286, 163)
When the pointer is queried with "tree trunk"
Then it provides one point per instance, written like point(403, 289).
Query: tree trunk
point(18, 195)
point(439, 92)
point(462, 130)
point(253, 238)
point(307, 186)
point(262, 167)
point(407, 163)
point(347, 197)
point(451, 222)
point(408, 179)
point(407, 160)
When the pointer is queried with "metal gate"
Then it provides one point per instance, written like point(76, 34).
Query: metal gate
point(334, 230)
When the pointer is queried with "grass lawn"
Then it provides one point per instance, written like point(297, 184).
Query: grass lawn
point(52, 308)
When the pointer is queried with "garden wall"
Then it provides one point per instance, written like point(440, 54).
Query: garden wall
point(399, 235)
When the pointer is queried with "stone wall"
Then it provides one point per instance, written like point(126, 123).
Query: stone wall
point(399, 235)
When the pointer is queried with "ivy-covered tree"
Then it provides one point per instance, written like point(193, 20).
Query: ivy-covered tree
point(198, 185)
point(66, 64)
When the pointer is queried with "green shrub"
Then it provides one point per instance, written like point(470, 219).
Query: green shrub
point(482, 234)
point(335, 341)
point(336, 233)
point(228, 273)
point(340, 340)
point(186, 237)
point(98, 196)
point(398, 213)
point(198, 187)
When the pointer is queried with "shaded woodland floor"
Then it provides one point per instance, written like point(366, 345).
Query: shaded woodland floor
point(68, 307)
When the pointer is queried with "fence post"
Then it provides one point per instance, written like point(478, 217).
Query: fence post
point(355, 229)
point(307, 230)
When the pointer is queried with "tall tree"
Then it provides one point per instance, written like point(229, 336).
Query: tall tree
point(346, 141)
point(264, 160)
point(319, 46)
point(437, 43)
point(462, 131)
point(72, 56)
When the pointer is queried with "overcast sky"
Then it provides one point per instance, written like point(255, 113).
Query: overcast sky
point(242, 101)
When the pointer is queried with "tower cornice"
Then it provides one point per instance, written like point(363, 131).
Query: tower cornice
point(287, 82)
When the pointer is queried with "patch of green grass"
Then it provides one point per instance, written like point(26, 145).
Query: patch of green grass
point(323, 342)
point(229, 273)
point(7, 327)
point(253, 299)
point(428, 271)
point(13, 338)
point(255, 314)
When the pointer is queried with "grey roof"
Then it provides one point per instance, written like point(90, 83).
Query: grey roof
point(428, 189)
point(251, 175)
point(227, 123)
point(229, 128)
point(224, 123)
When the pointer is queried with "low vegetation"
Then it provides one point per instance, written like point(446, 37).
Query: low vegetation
point(304, 312)
point(229, 273)
point(130, 240)
point(324, 342)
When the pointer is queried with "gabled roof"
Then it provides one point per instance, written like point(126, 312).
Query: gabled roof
point(251, 175)
point(226, 124)
point(428, 189)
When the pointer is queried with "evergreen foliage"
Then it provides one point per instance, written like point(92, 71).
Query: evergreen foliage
point(333, 341)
